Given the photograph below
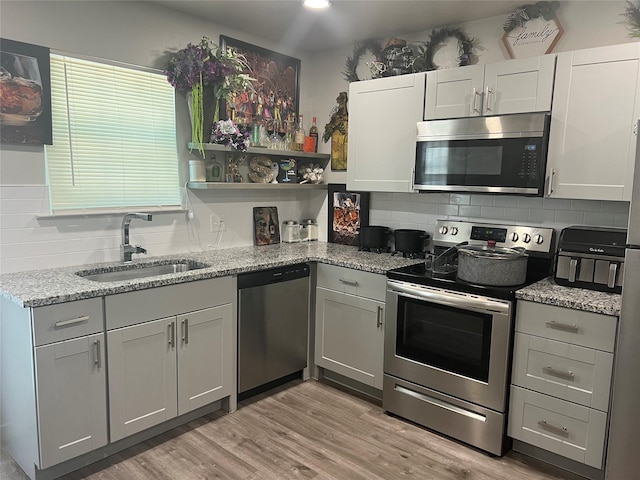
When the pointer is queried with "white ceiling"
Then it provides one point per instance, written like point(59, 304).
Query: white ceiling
point(347, 21)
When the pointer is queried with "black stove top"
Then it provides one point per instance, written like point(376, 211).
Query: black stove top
point(420, 275)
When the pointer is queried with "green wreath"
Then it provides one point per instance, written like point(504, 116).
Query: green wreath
point(353, 60)
point(632, 17)
point(526, 12)
point(424, 60)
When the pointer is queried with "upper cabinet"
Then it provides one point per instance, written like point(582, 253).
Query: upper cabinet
point(596, 106)
point(513, 86)
point(383, 114)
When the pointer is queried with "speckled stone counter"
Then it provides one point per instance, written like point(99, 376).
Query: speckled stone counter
point(547, 291)
point(46, 287)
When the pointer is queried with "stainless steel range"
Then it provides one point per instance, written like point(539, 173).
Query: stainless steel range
point(448, 343)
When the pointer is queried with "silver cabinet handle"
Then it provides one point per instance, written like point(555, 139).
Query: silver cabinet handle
point(185, 331)
point(474, 98)
point(413, 179)
point(172, 335)
point(565, 327)
point(379, 319)
point(613, 269)
point(71, 321)
point(566, 374)
point(562, 431)
point(635, 127)
point(351, 283)
point(487, 92)
point(97, 360)
point(550, 184)
point(573, 266)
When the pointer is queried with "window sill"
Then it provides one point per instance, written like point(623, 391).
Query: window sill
point(110, 213)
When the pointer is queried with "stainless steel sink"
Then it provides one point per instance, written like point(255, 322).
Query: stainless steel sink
point(135, 271)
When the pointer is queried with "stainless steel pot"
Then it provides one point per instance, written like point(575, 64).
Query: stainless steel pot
point(491, 265)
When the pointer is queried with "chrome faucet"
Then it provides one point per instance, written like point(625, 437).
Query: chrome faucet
point(126, 250)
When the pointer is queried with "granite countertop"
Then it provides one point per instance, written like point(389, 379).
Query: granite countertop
point(57, 285)
point(549, 292)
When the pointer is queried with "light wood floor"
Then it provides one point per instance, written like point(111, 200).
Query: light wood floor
point(306, 430)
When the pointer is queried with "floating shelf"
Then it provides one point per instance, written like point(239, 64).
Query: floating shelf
point(255, 186)
point(214, 147)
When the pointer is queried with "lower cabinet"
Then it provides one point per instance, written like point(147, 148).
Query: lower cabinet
point(72, 398)
point(167, 367)
point(349, 335)
point(561, 383)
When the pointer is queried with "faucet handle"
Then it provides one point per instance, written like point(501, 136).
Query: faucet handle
point(140, 249)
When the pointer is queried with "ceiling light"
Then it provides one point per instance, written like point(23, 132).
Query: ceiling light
point(316, 4)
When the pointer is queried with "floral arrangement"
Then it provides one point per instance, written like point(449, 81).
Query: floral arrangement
point(206, 65)
point(632, 17)
point(226, 132)
point(526, 12)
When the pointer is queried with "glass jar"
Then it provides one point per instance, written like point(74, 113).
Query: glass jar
point(309, 230)
point(290, 231)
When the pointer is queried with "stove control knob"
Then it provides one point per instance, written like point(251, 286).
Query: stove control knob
point(514, 237)
point(443, 230)
point(538, 239)
point(454, 231)
point(526, 238)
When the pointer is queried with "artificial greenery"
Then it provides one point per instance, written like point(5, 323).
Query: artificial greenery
point(527, 12)
point(632, 18)
point(359, 49)
point(424, 59)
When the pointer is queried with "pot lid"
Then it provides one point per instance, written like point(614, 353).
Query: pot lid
point(490, 251)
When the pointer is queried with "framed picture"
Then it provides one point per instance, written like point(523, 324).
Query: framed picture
point(277, 85)
point(25, 93)
point(266, 226)
point(348, 211)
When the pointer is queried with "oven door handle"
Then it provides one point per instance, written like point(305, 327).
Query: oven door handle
point(451, 299)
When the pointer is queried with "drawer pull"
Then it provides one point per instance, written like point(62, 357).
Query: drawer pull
point(351, 283)
point(566, 374)
point(71, 321)
point(562, 431)
point(565, 327)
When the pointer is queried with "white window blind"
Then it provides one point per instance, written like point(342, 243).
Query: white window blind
point(114, 138)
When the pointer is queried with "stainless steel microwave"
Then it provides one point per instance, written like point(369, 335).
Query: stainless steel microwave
point(495, 154)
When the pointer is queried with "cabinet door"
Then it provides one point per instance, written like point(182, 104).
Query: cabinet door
point(72, 398)
point(205, 357)
point(518, 86)
point(350, 336)
point(383, 114)
point(595, 108)
point(454, 92)
point(142, 376)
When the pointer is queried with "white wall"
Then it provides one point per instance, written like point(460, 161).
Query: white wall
point(140, 33)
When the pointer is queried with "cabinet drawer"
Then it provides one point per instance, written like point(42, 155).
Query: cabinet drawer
point(570, 372)
point(355, 282)
point(55, 323)
point(587, 329)
point(561, 427)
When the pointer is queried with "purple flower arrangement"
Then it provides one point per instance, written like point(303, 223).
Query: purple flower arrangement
point(226, 132)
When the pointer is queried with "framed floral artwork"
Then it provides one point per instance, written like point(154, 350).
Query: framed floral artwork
point(25, 93)
point(276, 79)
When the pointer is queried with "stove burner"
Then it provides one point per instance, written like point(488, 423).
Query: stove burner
point(412, 255)
point(376, 250)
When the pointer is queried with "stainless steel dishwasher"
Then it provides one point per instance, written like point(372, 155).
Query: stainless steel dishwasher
point(273, 325)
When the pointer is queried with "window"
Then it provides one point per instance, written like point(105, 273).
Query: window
point(114, 137)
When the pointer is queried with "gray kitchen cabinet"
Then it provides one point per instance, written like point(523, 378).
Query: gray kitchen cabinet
point(382, 132)
point(164, 367)
point(54, 403)
point(561, 382)
point(513, 86)
point(593, 136)
point(349, 335)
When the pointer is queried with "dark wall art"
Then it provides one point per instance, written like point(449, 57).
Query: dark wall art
point(277, 84)
point(25, 93)
point(348, 211)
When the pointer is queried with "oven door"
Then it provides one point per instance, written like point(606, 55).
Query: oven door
point(452, 342)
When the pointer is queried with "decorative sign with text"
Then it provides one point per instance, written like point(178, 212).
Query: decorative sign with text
point(535, 37)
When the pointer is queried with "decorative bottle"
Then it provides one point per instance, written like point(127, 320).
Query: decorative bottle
point(313, 132)
point(298, 135)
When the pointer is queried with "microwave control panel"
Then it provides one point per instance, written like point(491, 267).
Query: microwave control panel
point(530, 158)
